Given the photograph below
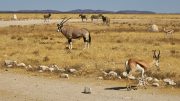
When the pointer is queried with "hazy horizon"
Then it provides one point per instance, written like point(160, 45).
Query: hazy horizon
point(158, 6)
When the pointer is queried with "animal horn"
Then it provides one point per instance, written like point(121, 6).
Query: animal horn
point(62, 20)
point(66, 20)
point(159, 52)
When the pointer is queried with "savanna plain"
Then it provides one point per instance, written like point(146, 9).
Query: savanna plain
point(128, 36)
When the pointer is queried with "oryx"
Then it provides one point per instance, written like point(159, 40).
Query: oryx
point(47, 17)
point(83, 17)
point(95, 17)
point(74, 33)
point(105, 20)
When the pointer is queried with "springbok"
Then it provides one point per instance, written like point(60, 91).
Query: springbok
point(133, 65)
point(83, 17)
point(74, 33)
point(105, 20)
point(47, 17)
point(95, 17)
point(168, 32)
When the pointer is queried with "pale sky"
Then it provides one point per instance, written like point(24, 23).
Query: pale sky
point(159, 6)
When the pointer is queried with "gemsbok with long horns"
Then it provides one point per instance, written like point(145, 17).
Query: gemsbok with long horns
point(71, 32)
point(83, 17)
point(47, 17)
point(168, 32)
point(136, 65)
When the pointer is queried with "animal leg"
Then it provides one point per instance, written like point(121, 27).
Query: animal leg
point(70, 44)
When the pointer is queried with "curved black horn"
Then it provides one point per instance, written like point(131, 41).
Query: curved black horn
point(159, 52)
point(62, 20)
point(66, 20)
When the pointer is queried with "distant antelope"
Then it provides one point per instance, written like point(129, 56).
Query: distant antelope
point(47, 17)
point(95, 17)
point(83, 17)
point(168, 32)
point(133, 65)
point(74, 33)
point(105, 20)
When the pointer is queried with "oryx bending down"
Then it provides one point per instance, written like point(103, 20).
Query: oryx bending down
point(95, 17)
point(168, 32)
point(105, 20)
point(133, 65)
point(83, 17)
point(74, 33)
point(47, 17)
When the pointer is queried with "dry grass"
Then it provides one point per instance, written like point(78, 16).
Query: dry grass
point(111, 46)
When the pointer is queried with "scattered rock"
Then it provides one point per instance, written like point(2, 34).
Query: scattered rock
point(113, 74)
point(131, 77)
point(154, 28)
point(51, 69)
point(119, 77)
point(10, 63)
point(29, 68)
point(72, 71)
point(169, 82)
point(40, 71)
point(87, 90)
point(64, 76)
point(149, 79)
point(100, 78)
point(155, 80)
point(44, 68)
point(21, 65)
point(155, 84)
point(61, 70)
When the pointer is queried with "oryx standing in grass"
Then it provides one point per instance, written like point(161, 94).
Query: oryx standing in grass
point(95, 17)
point(74, 33)
point(83, 17)
point(47, 17)
point(133, 65)
point(105, 20)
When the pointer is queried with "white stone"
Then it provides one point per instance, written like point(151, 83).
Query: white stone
point(154, 28)
point(44, 68)
point(169, 82)
point(51, 69)
point(61, 69)
point(155, 80)
point(64, 76)
point(72, 70)
point(21, 65)
point(125, 74)
point(131, 77)
point(9, 66)
point(149, 79)
point(100, 78)
point(10, 62)
point(40, 71)
point(113, 74)
point(155, 84)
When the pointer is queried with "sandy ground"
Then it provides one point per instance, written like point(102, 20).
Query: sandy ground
point(32, 21)
point(26, 87)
